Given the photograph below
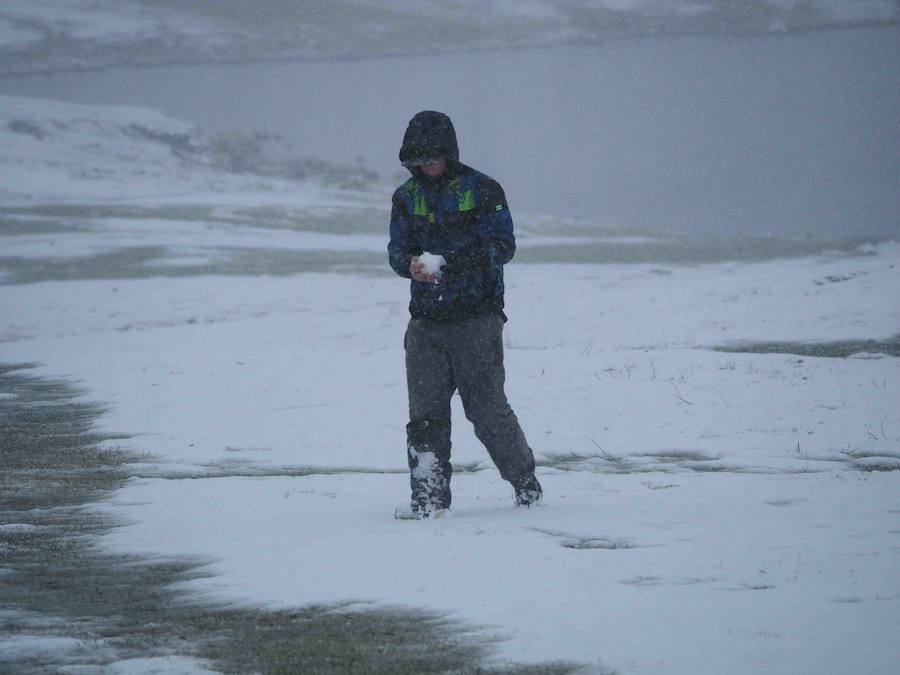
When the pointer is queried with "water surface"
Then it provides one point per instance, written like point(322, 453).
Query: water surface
point(795, 135)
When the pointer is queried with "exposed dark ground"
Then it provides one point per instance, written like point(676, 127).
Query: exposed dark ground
point(56, 582)
point(836, 349)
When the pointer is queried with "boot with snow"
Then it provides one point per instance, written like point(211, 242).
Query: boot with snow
point(429, 480)
point(421, 511)
point(528, 490)
point(411, 512)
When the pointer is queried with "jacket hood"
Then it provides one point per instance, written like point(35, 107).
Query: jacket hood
point(430, 134)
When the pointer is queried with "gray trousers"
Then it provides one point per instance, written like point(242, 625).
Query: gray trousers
point(466, 356)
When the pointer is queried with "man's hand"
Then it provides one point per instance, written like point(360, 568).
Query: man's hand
point(417, 271)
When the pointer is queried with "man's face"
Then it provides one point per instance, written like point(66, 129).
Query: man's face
point(435, 168)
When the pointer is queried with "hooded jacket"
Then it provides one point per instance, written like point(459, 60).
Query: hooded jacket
point(429, 134)
point(462, 215)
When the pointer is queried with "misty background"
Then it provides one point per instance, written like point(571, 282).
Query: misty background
point(202, 340)
point(732, 118)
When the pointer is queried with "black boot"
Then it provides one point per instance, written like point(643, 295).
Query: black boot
point(528, 490)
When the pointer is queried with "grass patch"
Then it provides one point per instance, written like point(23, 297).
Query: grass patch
point(10, 227)
point(684, 250)
point(101, 211)
point(49, 218)
point(840, 349)
point(141, 263)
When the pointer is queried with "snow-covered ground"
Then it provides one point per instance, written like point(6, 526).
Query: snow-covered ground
point(705, 511)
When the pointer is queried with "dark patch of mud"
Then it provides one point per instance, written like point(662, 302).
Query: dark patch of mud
point(89, 608)
point(672, 461)
point(241, 468)
point(580, 542)
point(684, 461)
point(862, 460)
point(840, 349)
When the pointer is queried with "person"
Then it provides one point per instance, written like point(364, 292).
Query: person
point(452, 214)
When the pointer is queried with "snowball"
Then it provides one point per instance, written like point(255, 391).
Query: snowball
point(432, 262)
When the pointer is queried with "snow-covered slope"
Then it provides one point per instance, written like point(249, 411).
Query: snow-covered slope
point(46, 35)
point(55, 152)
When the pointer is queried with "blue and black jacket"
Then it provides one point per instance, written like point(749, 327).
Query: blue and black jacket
point(462, 216)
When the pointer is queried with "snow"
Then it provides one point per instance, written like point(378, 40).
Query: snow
point(27, 646)
point(676, 573)
point(59, 152)
point(426, 466)
point(432, 263)
point(703, 511)
point(103, 20)
point(13, 36)
point(161, 665)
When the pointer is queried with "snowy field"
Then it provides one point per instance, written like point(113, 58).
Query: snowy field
point(717, 499)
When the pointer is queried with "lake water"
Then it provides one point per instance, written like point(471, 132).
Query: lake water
point(790, 135)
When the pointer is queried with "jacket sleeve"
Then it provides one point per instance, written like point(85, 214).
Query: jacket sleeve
point(496, 224)
point(401, 248)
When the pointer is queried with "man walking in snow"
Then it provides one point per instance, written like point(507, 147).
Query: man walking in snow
point(451, 234)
